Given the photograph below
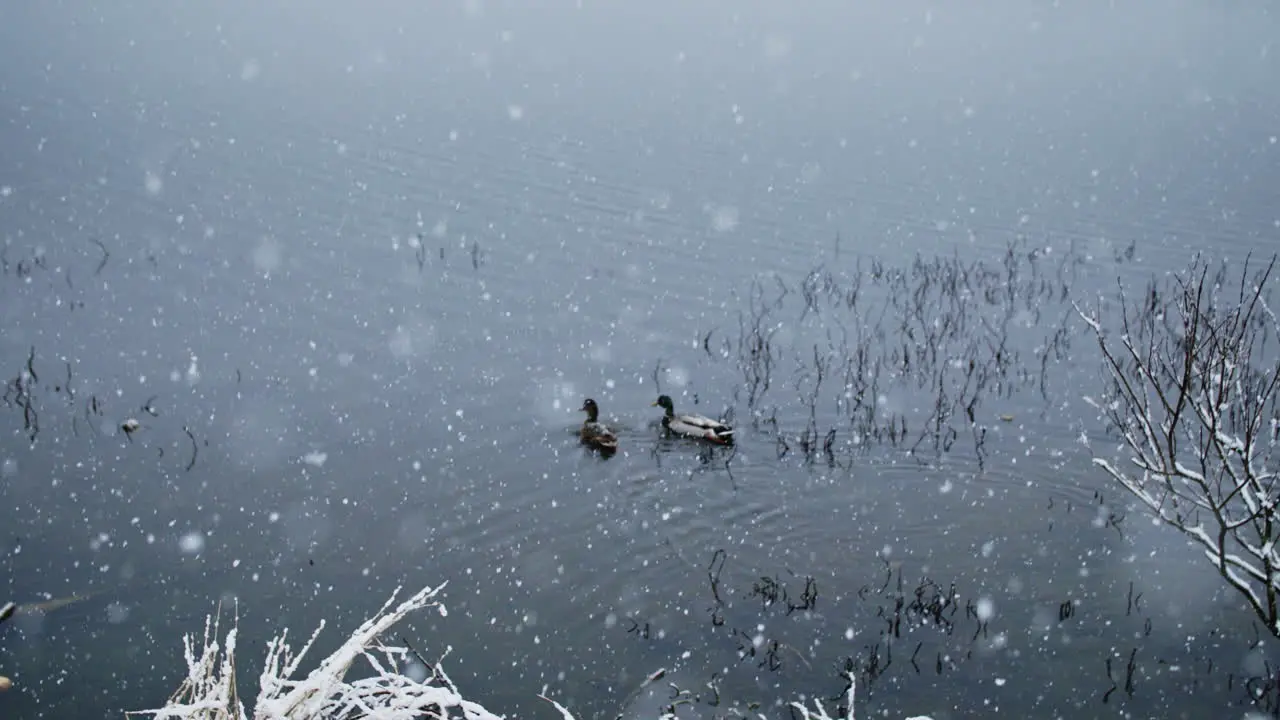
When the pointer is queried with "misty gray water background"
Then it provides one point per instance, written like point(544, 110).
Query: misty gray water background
point(363, 265)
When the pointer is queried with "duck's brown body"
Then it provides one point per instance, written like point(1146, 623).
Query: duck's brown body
point(594, 432)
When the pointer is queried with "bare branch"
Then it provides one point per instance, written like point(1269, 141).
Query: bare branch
point(1192, 388)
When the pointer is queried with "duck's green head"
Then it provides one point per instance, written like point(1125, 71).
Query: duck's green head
point(664, 402)
point(590, 408)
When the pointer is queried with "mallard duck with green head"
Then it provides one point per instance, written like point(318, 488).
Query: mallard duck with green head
point(693, 426)
point(595, 433)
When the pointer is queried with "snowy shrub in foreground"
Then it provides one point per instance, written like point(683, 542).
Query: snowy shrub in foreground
point(209, 690)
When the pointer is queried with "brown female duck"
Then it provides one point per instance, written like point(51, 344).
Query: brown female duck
point(595, 433)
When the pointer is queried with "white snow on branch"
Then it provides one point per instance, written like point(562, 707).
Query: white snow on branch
point(1192, 388)
point(209, 690)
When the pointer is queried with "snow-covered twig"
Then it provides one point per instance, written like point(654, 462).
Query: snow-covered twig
point(209, 691)
point(850, 695)
point(821, 713)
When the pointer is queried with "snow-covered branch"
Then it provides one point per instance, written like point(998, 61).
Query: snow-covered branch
point(1192, 378)
point(209, 690)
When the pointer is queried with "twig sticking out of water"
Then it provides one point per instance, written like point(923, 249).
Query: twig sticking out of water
point(71, 393)
point(1130, 666)
point(420, 252)
point(845, 710)
point(31, 365)
point(756, 353)
point(18, 393)
point(657, 376)
point(195, 449)
point(105, 255)
point(942, 326)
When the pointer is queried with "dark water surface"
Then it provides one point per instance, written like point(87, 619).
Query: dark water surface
point(364, 265)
